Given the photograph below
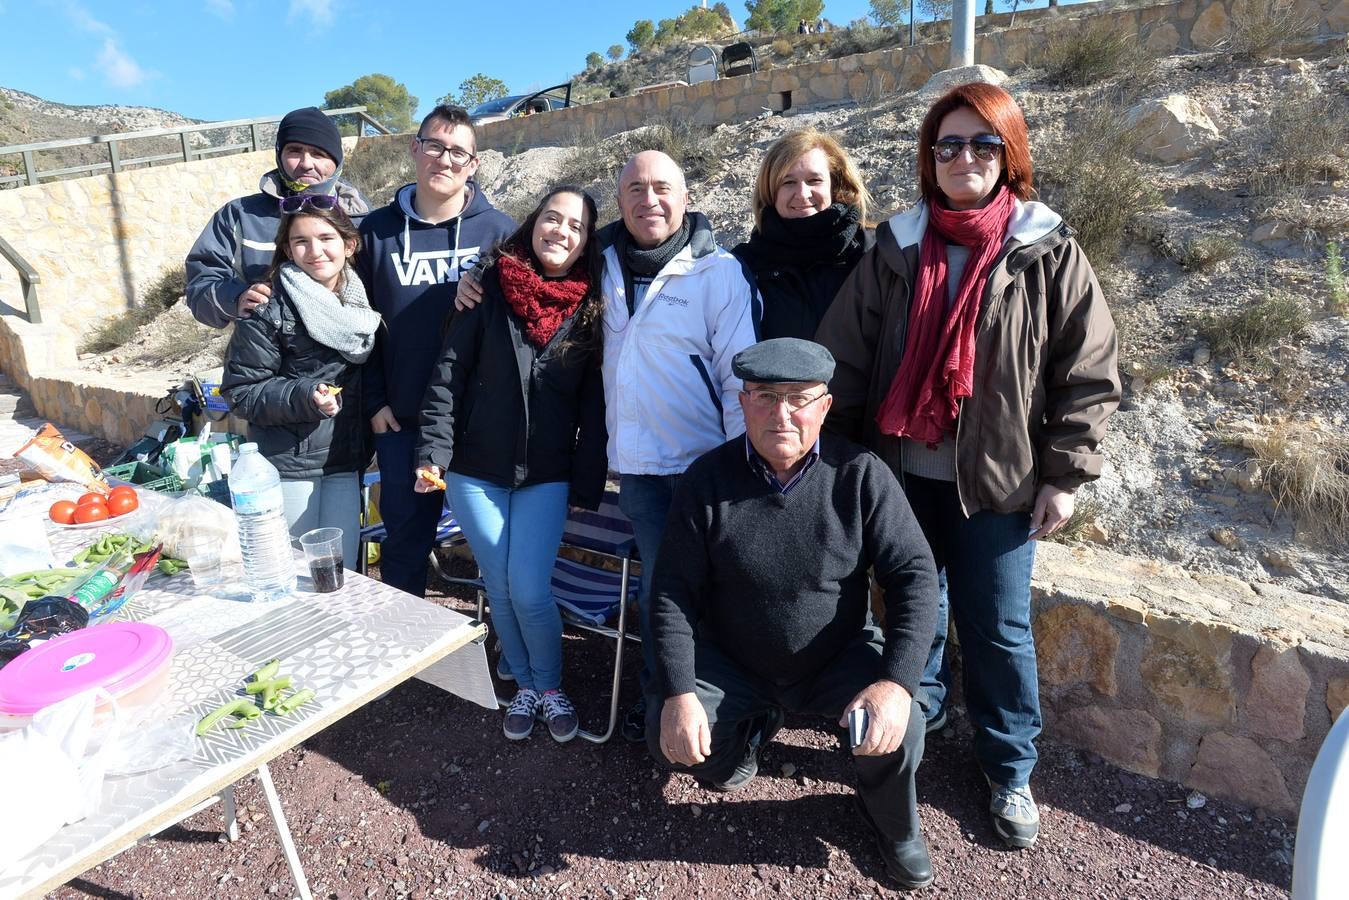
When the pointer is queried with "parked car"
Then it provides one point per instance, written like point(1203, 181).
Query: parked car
point(556, 97)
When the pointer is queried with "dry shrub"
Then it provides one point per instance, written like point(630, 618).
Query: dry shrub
point(379, 166)
point(1206, 251)
point(1306, 471)
point(1091, 177)
point(1096, 52)
point(1246, 335)
point(163, 292)
point(782, 47)
point(594, 159)
point(1304, 146)
point(1261, 28)
point(1087, 510)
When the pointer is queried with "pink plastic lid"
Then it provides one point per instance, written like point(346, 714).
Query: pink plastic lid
point(118, 656)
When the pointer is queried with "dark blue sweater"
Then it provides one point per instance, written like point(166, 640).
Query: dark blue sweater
point(779, 582)
point(411, 271)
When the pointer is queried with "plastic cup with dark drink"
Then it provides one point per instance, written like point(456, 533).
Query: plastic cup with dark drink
point(323, 552)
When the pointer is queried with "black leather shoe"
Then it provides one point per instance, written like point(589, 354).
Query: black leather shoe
point(907, 862)
point(744, 773)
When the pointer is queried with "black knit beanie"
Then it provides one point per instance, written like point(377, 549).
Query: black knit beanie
point(309, 126)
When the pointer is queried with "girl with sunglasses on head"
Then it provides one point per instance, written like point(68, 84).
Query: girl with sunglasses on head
point(293, 369)
point(810, 229)
point(977, 357)
point(514, 422)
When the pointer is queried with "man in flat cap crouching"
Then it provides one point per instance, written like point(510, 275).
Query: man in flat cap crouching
point(760, 601)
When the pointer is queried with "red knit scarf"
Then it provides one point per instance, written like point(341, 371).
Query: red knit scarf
point(542, 304)
point(938, 365)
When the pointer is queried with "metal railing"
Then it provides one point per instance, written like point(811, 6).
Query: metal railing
point(28, 280)
point(117, 162)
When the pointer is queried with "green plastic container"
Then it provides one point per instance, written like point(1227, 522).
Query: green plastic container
point(145, 475)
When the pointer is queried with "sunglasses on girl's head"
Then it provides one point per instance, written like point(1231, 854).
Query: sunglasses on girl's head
point(985, 148)
point(296, 202)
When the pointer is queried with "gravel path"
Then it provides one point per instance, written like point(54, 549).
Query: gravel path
point(419, 795)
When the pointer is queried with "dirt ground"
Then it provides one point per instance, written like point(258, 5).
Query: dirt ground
point(419, 795)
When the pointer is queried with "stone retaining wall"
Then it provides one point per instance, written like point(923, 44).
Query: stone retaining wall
point(1221, 685)
point(1165, 27)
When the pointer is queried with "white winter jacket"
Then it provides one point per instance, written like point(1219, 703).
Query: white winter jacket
point(668, 389)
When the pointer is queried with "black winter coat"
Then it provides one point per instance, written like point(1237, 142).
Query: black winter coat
point(796, 293)
point(271, 370)
point(501, 410)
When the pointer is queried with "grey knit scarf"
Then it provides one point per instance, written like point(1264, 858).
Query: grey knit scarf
point(343, 321)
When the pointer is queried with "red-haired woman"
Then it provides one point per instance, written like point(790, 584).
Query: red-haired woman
point(977, 357)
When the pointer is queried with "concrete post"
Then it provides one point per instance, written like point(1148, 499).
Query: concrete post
point(962, 33)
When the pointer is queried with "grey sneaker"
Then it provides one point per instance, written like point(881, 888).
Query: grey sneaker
point(519, 721)
point(1016, 818)
point(560, 715)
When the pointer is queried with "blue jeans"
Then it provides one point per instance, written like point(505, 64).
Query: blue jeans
point(409, 517)
point(327, 501)
point(514, 534)
point(645, 500)
point(985, 567)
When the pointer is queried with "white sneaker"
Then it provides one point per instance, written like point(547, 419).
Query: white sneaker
point(1016, 818)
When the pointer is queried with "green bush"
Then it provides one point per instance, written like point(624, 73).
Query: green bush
point(1245, 335)
point(1096, 52)
point(1090, 177)
point(1304, 147)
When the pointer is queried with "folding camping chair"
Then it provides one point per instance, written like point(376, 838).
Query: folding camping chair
point(448, 534)
point(1320, 867)
point(590, 596)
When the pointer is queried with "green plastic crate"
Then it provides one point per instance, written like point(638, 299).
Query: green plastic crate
point(145, 475)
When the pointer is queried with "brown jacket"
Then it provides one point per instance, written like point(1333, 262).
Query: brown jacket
point(1045, 363)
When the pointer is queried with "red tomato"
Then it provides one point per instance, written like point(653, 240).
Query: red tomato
point(121, 504)
point(122, 490)
point(91, 512)
point(63, 512)
point(91, 497)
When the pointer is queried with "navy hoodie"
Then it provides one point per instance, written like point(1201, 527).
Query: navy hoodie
point(411, 272)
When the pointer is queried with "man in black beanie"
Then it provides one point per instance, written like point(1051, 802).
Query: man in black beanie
point(226, 266)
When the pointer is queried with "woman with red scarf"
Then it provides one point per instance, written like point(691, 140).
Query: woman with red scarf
point(975, 354)
point(514, 421)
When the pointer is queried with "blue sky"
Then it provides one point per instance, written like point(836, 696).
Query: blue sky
point(235, 59)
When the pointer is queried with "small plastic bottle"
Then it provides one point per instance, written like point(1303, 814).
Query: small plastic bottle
point(264, 538)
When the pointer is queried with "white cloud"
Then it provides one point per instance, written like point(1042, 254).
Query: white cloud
point(85, 21)
point(118, 68)
point(316, 12)
point(223, 9)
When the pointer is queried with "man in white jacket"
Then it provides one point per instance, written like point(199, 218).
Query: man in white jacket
point(677, 308)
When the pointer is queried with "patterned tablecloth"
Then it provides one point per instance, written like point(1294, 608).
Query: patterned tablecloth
point(349, 646)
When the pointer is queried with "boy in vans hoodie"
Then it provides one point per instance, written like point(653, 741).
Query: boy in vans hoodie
point(412, 254)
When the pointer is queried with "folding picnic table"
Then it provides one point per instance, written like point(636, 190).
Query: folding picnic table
point(350, 646)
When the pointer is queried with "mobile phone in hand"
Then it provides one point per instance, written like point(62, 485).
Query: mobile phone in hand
point(857, 727)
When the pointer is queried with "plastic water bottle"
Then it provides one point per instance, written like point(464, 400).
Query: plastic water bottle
point(264, 538)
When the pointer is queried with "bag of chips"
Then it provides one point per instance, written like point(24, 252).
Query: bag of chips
point(57, 459)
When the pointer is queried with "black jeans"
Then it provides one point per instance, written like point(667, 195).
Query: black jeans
point(736, 701)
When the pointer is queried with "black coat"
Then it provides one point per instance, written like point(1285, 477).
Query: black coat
point(500, 410)
point(271, 370)
point(796, 293)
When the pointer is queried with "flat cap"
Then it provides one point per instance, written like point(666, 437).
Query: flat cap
point(784, 360)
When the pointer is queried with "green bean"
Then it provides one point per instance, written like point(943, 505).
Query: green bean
point(268, 671)
point(235, 707)
point(275, 684)
point(294, 702)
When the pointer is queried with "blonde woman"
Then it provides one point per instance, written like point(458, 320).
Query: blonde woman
point(810, 229)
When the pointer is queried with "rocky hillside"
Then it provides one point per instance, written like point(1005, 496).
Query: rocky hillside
point(26, 119)
point(1210, 192)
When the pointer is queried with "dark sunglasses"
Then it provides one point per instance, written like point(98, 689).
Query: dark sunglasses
point(296, 202)
point(985, 148)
